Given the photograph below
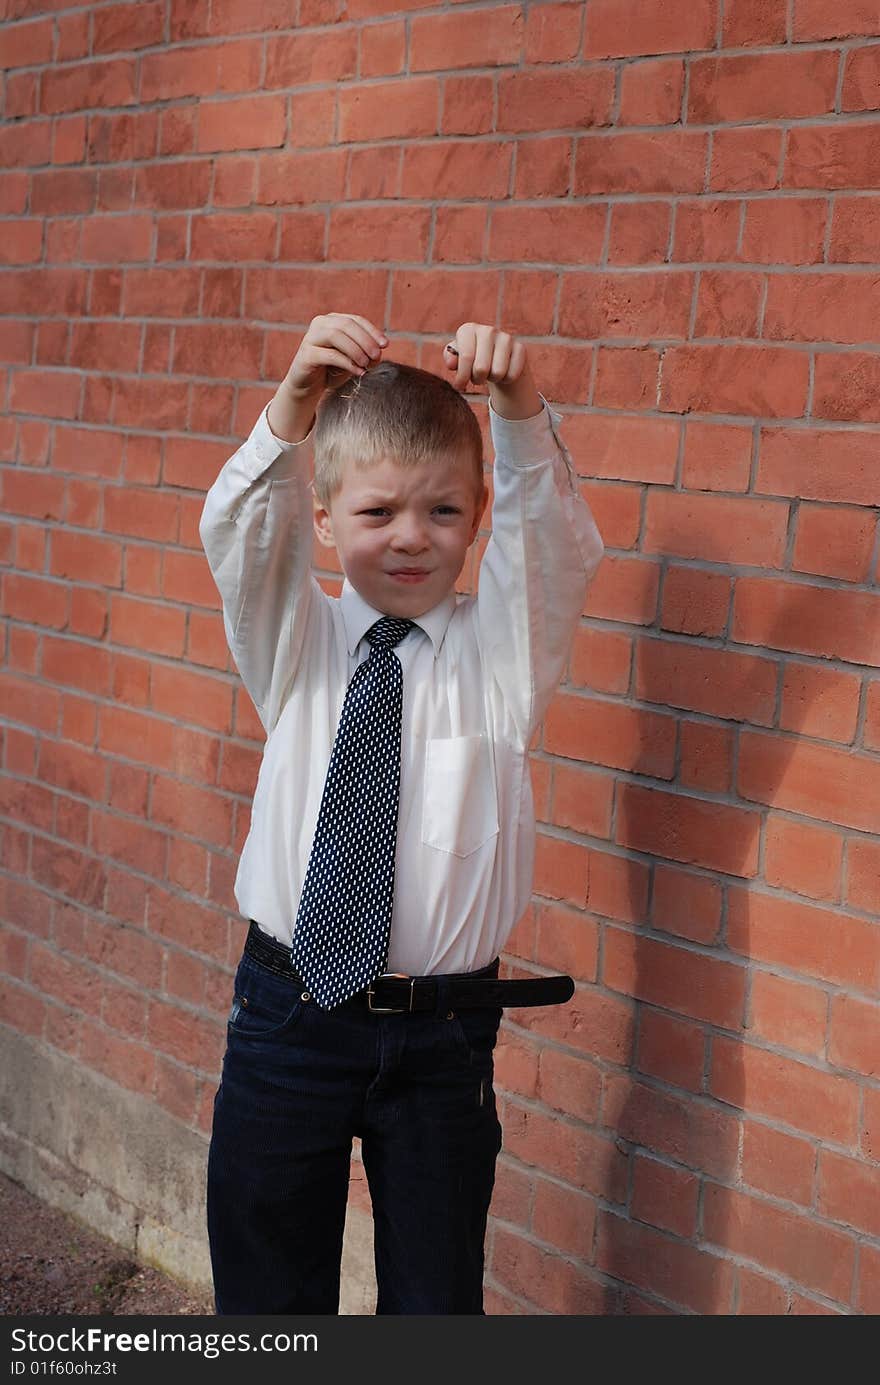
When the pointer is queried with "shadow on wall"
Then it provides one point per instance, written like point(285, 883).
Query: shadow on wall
point(694, 1006)
point(668, 1102)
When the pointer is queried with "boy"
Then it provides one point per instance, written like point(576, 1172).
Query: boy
point(392, 832)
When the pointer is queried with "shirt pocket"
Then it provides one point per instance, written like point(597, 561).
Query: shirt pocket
point(460, 809)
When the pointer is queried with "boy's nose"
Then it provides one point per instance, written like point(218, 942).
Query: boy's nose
point(409, 536)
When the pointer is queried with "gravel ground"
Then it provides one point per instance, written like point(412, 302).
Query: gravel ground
point(49, 1263)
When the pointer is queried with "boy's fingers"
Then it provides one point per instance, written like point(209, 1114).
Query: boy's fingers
point(376, 333)
point(483, 359)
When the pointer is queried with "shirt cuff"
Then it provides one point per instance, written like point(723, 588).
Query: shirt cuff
point(264, 448)
point(528, 441)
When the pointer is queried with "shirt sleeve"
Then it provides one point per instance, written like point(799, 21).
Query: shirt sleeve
point(256, 529)
point(543, 552)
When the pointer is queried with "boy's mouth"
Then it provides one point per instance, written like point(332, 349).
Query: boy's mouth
point(409, 574)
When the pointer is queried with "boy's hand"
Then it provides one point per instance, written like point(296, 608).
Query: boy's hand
point(335, 347)
point(481, 354)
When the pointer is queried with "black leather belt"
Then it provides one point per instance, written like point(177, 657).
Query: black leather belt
point(396, 993)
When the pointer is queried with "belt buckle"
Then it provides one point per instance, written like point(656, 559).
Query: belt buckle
point(390, 1009)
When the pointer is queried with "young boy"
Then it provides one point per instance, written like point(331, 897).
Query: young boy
point(391, 842)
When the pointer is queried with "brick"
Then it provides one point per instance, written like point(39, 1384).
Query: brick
point(417, 296)
point(402, 109)
point(27, 45)
point(468, 105)
point(557, 234)
point(639, 233)
point(582, 800)
point(721, 683)
point(726, 530)
point(567, 942)
point(577, 1156)
point(849, 1191)
point(835, 542)
point(516, 1066)
point(623, 448)
point(129, 1063)
point(83, 85)
point(758, 1295)
point(854, 230)
point(789, 1014)
point(626, 378)
point(610, 734)
point(460, 234)
point(805, 1097)
point(664, 1197)
point(766, 86)
point(192, 697)
point(625, 590)
point(553, 33)
point(456, 169)
point(747, 22)
point(863, 874)
point(675, 979)
point(819, 702)
point(38, 602)
point(128, 26)
point(794, 934)
point(845, 386)
point(803, 858)
point(651, 91)
point(584, 100)
point(560, 870)
point(491, 38)
point(832, 156)
point(787, 230)
point(818, 464)
point(380, 232)
point(695, 602)
point(812, 1255)
point(747, 159)
point(632, 162)
point(563, 1217)
point(598, 1025)
point(625, 305)
point(686, 904)
point(683, 828)
point(553, 1284)
point(298, 60)
point(252, 122)
point(568, 1084)
point(813, 624)
point(868, 1292)
point(543, 166)
point(147, 625)
point(617, 887)
point(671, 1049)
point(683, 1274)
point(811, 19)
point(728, 304)
point(601, 659)
point(855, 1030)
point(706, 230)
point(821, 307)
point(626, 28)
point(761, 381)
point(777, 1163)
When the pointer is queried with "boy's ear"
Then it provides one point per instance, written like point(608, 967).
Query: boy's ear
point(479, 511)
point(323, 523)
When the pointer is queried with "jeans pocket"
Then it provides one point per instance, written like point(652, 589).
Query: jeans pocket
point(263, 1004)
point(476, 1032)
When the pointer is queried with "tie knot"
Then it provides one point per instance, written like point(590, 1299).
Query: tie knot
point(388, 632)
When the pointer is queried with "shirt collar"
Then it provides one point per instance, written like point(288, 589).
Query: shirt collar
point(358, 615)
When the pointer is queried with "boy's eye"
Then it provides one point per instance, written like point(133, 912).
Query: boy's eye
point(377, 510)
point(448, 510)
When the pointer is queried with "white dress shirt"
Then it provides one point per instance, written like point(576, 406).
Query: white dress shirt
point(478, 674)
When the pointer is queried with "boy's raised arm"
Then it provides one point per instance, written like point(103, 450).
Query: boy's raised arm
point(256, 524)
point(545, 546)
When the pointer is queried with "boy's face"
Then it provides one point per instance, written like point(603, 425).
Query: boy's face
point(402, 533)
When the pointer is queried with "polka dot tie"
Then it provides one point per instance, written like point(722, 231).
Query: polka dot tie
point(343, 925)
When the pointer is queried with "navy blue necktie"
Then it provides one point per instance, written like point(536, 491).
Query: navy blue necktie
point(343, 925)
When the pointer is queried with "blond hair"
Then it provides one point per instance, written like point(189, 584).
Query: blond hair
point(396, 411)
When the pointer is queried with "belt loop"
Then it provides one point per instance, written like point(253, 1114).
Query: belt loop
point(441, 1002)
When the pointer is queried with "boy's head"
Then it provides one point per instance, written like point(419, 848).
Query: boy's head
point(399, 487)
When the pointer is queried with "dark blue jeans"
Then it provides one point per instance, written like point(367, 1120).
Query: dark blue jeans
point(298, 1083)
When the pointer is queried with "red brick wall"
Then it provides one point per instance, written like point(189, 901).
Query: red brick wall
point(675, 204)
